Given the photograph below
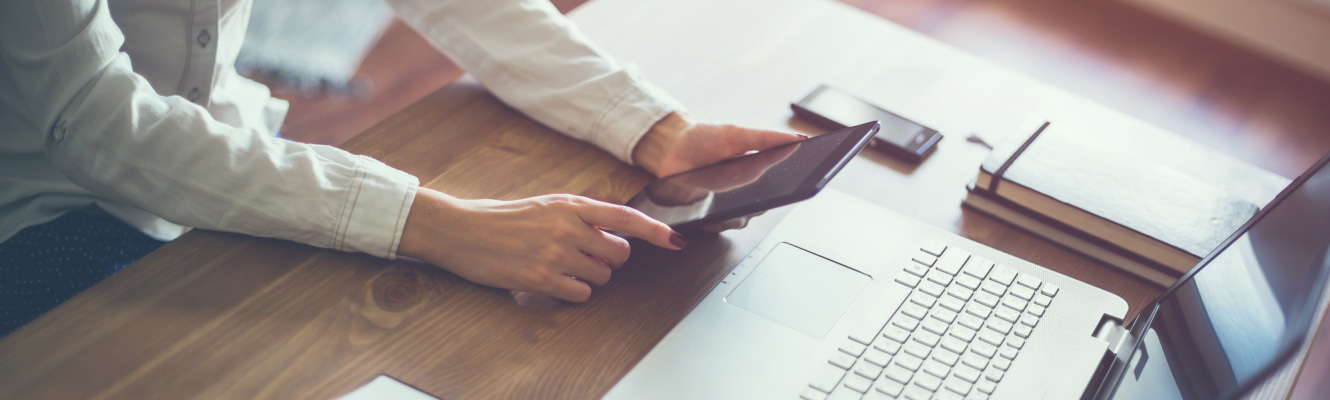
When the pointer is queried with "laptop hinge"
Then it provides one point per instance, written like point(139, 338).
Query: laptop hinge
point(1119, 339)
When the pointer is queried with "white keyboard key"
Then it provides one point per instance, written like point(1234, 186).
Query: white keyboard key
point(1029, 281)
point(827, 378)
point(947, 395)
point(917, 349)
point(951, 261)
point(925, 259)
point(1007, 314)
point(1049, 290)
point(897, 373)
point(978, 267)
point(955, 345)
point(963, 333)
point(970, 321)
point(1002, 363)
point(865, 332)
point(974, 361)
point(978, 310)
point(890, 346)
point(914, 392)
point(914, 310)
point(922, 300)
point(842, 360)
point(986, 386)
point(936, 368)
point(999, 326)
point(927, 381)
point(960, 293)
point(889, 387)
point(1002, 274)
point(994, 375)
point(895, 332)
point(1008, 352)
point(1015, 341)
point(905, 322)
point(1042, 300)
point(994, 288)
point(844, 393)
point(853, 348)
point(943, 314)
point(983, 349)
point(878, 357)
point(934, 247)
point(909, 362)
point(970, 375)
point(1014, 303)
point(931, 288)
point(908, 280)
point(945, 356)
point(951, 303)
point(1023, 331)
point(812, 394)
point(957, 385)
point(1036, 309)
point(1022, 292)
point(991, 337)
point(857, 383)
point(926, 338)
point(937, 276)
point(987, 299)
point(968, 282)
point(1030, 320)
point(916, 269)
point(935, 326)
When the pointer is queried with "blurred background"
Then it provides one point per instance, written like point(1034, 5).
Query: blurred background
point(1248, 78)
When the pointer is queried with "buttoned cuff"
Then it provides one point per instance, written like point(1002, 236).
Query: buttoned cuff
point(621, 125)
point(376, 208)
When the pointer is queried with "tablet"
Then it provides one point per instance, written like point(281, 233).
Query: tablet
point(751, 183)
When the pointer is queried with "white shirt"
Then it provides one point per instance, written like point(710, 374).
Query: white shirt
point(177, 135)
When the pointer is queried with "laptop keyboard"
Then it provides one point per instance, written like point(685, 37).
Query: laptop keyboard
point(962, 325)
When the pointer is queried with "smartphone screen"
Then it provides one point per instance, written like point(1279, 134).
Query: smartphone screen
point(751, 183)
point(846, 110)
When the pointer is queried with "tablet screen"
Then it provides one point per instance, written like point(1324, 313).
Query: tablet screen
point(751, 183)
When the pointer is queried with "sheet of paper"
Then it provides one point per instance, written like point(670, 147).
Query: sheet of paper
point(385, 387)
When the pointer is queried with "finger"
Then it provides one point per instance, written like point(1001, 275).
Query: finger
point(587, 269)
point(569, 289)
point(627, 220)
point(753, 139)
point(736, 223)
point(609, 249)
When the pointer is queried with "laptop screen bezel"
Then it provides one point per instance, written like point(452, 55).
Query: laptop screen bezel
point(1146, 317)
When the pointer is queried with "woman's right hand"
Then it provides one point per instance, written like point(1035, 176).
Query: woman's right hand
point(551, 245)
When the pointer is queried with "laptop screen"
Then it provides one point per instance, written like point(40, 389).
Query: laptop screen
point(1251, 303)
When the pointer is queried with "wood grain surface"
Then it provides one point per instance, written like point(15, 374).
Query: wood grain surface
point(217, 315)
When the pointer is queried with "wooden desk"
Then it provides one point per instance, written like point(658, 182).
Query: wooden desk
point(225, 316)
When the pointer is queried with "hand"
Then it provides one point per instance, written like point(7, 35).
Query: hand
point(550, 245)
point(676, 144)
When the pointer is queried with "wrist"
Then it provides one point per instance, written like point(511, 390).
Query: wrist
point(657, 143)
point(428, 207)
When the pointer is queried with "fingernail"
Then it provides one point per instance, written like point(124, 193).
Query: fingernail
point(678, 241)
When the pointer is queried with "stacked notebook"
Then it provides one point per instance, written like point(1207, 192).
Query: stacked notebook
point(1119, 207)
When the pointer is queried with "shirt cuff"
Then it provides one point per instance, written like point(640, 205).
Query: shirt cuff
point(377, 204)
point(620, 126)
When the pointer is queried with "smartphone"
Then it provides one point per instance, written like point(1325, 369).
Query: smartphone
point(830, 108)
point(751, 183)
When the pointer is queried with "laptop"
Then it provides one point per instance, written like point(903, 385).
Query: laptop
point(846, 300)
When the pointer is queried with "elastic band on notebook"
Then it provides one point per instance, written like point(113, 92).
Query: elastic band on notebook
point(997, 176)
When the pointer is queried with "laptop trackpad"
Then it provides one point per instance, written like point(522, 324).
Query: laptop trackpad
point(799, 289)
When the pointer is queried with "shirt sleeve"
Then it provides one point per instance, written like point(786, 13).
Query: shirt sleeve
point(534, 59)
point(106, 129)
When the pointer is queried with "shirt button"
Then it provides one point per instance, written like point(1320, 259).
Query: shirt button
point(58, 131)
point(194, 94)
point(204, 38)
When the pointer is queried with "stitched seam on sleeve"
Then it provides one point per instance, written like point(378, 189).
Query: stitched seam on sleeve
point(343, 218)
point(355, 199)
point(597, 125)
point(397, 227)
